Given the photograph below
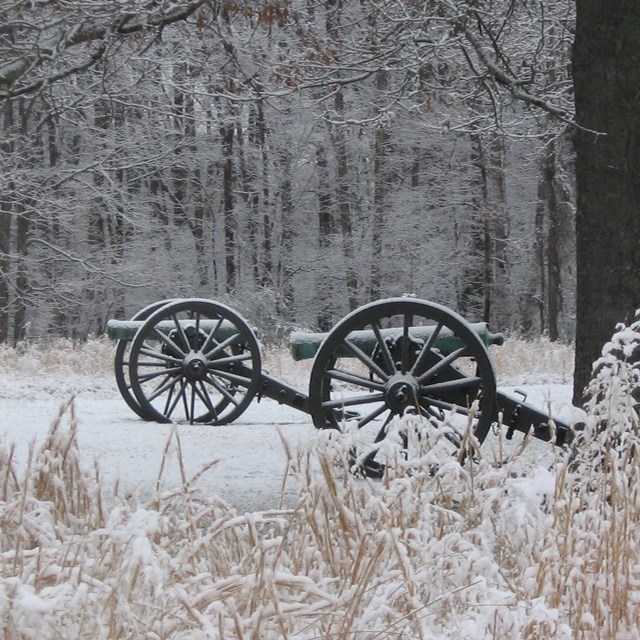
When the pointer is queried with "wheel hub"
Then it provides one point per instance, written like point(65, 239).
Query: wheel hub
point(401, 392)
point(194, 367)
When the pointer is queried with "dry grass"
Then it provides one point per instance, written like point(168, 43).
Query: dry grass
point(532, 361)
point(454, 552)
point(517, 362)
point(94, 357)
point(444, 551)
point(354, 559)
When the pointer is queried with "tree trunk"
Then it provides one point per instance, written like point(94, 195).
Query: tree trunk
point(5, 228)
point(497, 229)
point(381, 141)
point(22, 276)
point(195, 204)
point(343, 195)
point(477, 274)
point(606, 69)
point(535, 305)
point(5, 266)
point(252, 198)
point(267, 221)
point(23, 206)
point(285, 299)
point(548, 252)
point(227, 134)
point(325, 231)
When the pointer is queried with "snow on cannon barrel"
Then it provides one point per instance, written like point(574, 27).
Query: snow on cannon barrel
point(127, 329)
point(304, 345)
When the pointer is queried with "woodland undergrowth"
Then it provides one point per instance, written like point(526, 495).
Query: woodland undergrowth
point(436, 549)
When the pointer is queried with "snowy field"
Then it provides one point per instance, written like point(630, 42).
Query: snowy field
point(250, 459)
point(103, 534)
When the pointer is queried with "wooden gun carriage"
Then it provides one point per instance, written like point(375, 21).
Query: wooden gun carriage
point(198, 361)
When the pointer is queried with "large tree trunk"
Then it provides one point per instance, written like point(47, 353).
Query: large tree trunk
point(606, 69)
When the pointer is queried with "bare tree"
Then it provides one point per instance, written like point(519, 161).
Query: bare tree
point(307, 153)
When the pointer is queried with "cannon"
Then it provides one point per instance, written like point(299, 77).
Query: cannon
point(199, 361)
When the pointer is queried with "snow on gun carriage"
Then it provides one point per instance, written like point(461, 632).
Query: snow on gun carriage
point(198, 361)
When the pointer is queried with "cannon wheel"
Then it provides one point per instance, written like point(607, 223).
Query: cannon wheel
point(194, 375)
point(121, 362)
point(397, 375)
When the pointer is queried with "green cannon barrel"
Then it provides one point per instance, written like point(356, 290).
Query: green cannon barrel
point(305, 345)
point(127, 329)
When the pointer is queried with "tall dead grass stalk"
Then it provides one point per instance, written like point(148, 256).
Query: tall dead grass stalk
point(439, 548)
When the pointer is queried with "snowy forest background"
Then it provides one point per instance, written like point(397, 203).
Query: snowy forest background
point(294, 159)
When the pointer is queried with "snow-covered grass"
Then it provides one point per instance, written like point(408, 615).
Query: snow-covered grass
point(432, 551)
point(94, 357)
point(517, 362)
point(532, 362)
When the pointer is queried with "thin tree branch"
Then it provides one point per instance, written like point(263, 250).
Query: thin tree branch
point(513, 84)
point(123, 24)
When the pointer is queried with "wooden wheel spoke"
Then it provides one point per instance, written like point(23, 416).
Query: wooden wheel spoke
point(366, 360)
point(169, 342)
point(220, 346)
point(352, 401)
point(452, 357)
point(427, 401)
point(404, 358)
point(378, 411)
point(354, 378)
point(185, 403)
point(158, 355)
point(434, 412)
point(473, 383)
point(383, 429)
point(203, 394)
point(197, 319)
point(210, 337)
point(426, 349)
point(181, 332)
point(167, 404)
point(163, 387)
point(193, 402)
point(222, 390)
point(144, 365)
point(218, 362)
point(150, 376)
point(172, 401)
point(244, 381)
point(384, 347)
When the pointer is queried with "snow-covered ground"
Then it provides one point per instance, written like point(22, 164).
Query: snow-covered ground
point(538, 547)
point(251, 459)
